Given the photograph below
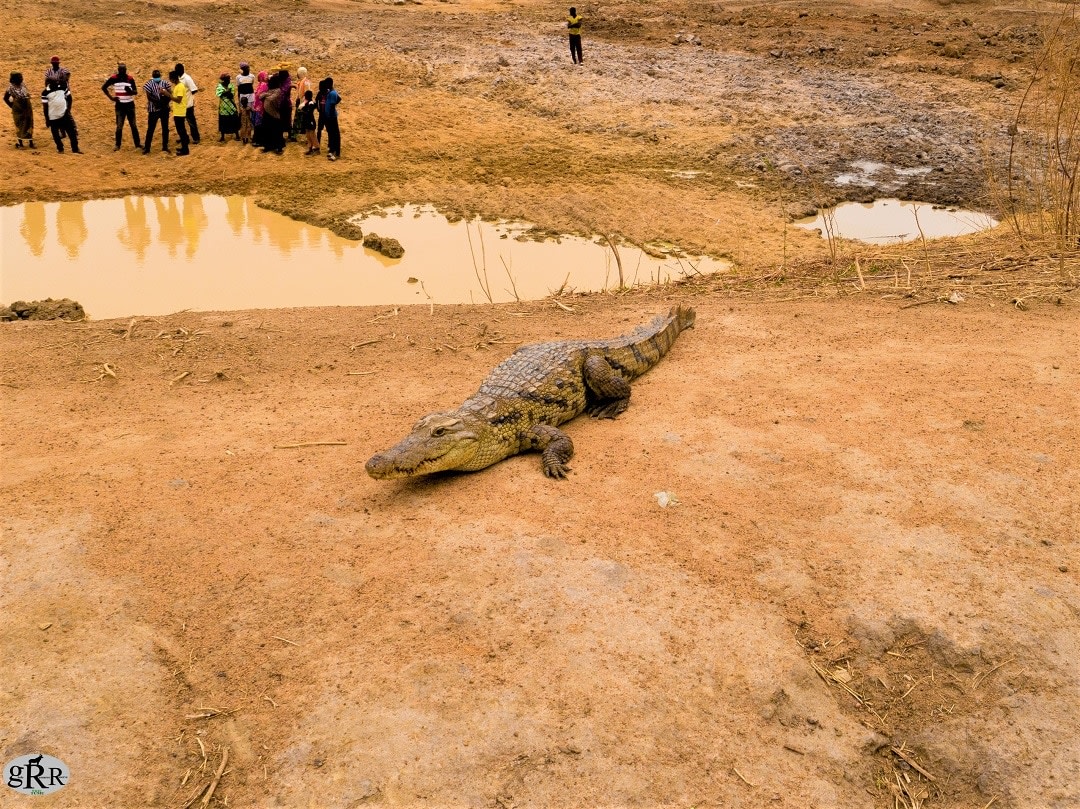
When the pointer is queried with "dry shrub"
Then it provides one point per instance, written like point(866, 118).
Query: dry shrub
point(1040, 195)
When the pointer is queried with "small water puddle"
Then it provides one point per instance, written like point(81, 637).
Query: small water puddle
point(156, 255)
point(888, 221)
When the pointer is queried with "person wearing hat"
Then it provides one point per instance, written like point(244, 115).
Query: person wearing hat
point(124, 89)
point(55, 73)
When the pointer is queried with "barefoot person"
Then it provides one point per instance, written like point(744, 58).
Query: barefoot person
point(17, 97)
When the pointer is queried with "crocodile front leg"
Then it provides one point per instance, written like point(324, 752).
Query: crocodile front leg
point(556, 446)
point(608, 385)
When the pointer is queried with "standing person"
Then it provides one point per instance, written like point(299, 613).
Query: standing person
point(158, 100)
point(56, 73)
point(573, 25)
point(228, 114)
point(330, 120)
point(245, 84)
point(303, 84)
point(192, 89)
point(306, 117)
point(320, 109)
point(286, 106)
point(245, 120)
point(124, 89)
point(179, 107)
point(56, 99)
point(272, 136)
point(257, 112)
point(17, 97)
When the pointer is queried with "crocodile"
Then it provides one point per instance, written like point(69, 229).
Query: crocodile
point(521, 403)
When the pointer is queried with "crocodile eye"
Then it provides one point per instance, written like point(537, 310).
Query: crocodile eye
point(438, 432)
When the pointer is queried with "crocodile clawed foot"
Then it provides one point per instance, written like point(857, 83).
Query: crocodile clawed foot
point(608, 410)
point(556, 470)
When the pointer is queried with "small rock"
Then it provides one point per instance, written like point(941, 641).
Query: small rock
point(1063, 568)
point(666, 499)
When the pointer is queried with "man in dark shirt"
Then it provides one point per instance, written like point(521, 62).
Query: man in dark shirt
point(158, 96)
point(124, 89)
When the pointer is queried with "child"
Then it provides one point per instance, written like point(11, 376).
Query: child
point(245, 120)
point(307, 122)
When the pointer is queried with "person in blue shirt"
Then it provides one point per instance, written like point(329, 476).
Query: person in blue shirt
point(330, 120)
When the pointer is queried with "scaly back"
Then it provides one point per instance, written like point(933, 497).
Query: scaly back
point(635, 353)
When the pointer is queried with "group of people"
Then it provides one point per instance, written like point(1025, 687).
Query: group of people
point(257, 109)
point(56, 101)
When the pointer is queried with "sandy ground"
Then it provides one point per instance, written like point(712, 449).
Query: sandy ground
point(866, 594)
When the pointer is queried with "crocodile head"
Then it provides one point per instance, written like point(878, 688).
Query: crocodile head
point(439, 442)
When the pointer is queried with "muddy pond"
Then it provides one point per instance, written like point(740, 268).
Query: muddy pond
point(157, 255)
point(886, 221)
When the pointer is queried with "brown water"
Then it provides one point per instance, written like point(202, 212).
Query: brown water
point(148, 256)
point(890, 220)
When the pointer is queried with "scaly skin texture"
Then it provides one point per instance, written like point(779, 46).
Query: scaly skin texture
point(524, 399)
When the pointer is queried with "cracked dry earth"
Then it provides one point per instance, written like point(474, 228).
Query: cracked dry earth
point(866, 592)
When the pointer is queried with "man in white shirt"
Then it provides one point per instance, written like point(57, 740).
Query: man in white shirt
point(189, 83)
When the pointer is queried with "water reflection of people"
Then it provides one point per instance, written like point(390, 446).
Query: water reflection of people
point(254, 219)
point(170, 230)
point(33, 226)
point(195, 222)
point(71, 229)
point(234, 213)
point(135, 236)
point(285, 233)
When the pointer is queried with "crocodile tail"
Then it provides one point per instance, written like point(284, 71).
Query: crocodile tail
point(640, 350)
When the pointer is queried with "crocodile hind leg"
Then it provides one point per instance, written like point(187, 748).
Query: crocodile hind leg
point(608, 385)
point(556, 447)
